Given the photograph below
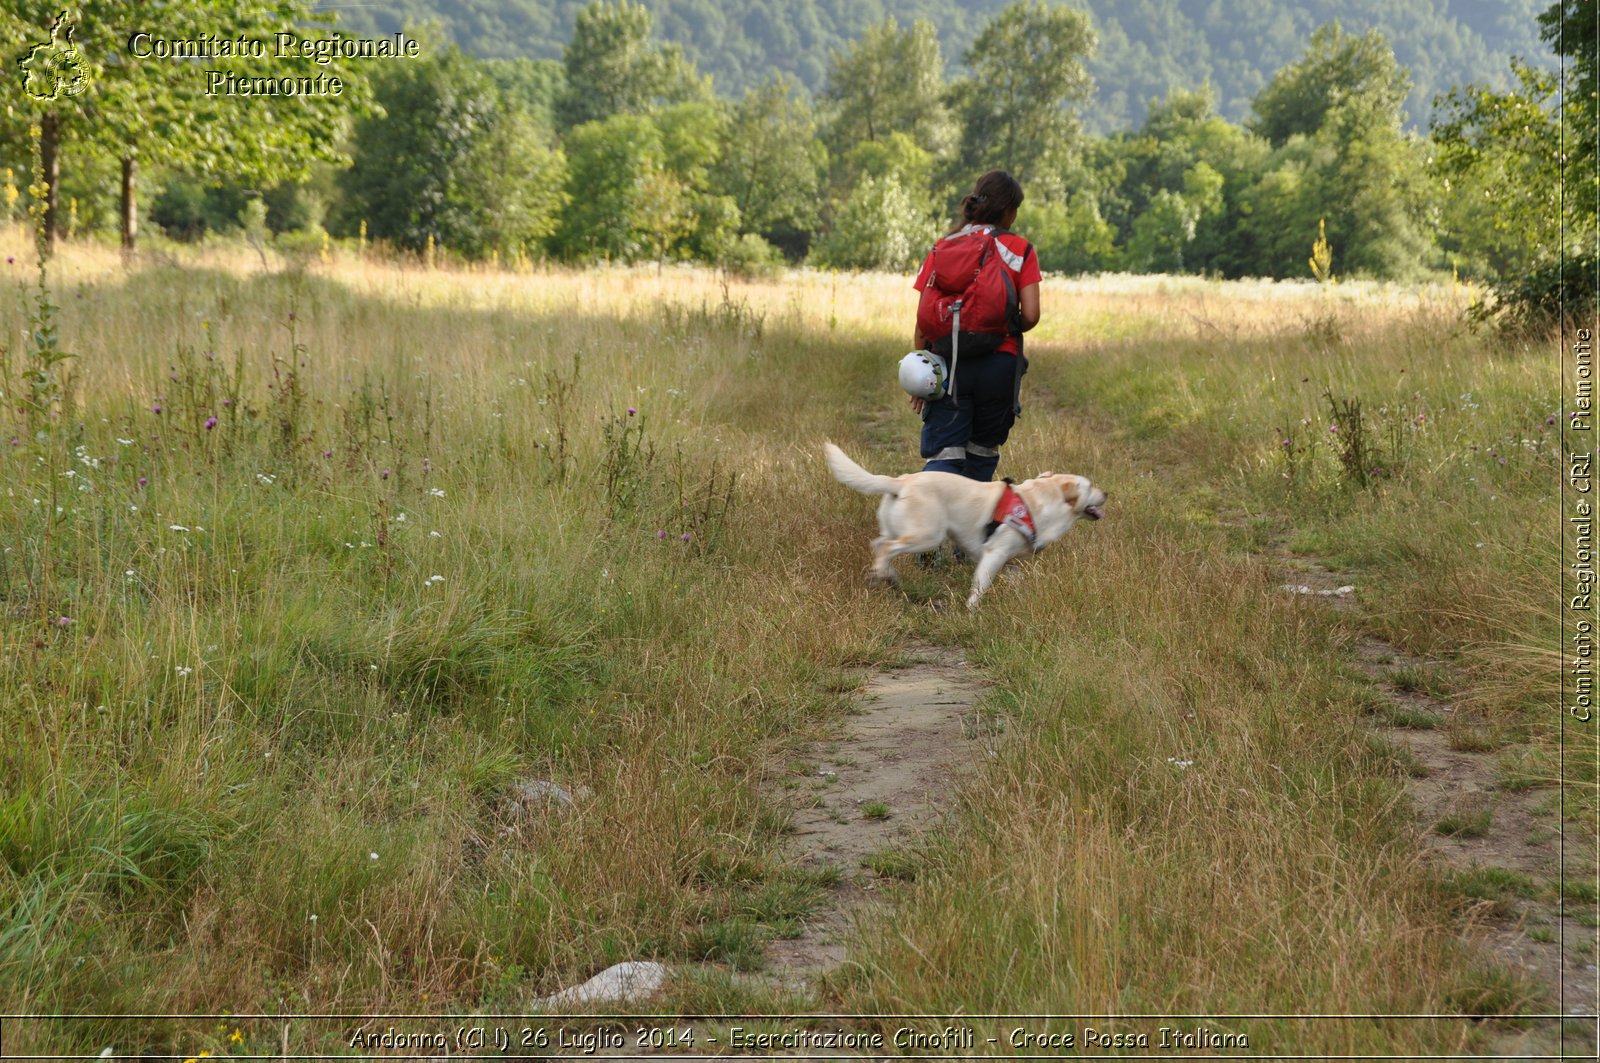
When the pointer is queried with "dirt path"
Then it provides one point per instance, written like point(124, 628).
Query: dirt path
point(1469, 820)
point(880, 786)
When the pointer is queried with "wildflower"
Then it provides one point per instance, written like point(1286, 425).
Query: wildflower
point(400, 519)
point(372, 856)
point(1551, 419)
point(129, 573)
point(155, 408)
point(63, 621)
point(436, 492)
point(184, 671)
point(143, 482)
point(227, 402)
point(1175, 762)
point(661, 533)
point(211, 422)
point(313, 917)
point(177, 528)
point(1334, 429)
point(685, 536)
point(1287, 443)
point(327, 453)
point(435, 535)
point(236, 1036)
point(632, 411)
point(384, 474)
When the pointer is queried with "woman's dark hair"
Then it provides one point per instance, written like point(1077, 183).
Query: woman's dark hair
point(995, 193)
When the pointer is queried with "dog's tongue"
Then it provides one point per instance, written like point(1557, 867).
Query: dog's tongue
point(1093, 512)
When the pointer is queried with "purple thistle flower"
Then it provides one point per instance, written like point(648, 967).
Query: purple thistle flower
point(327, 453)
point(385, 474)
point(211, 422)
point(64, 621)
point(227, 402)
point(661, 533)
point(1333, 428)
point(1551, 419)
point(10, 259)
point(143, 481)
point(155, 408)
point(685, 536)
point(632, 411)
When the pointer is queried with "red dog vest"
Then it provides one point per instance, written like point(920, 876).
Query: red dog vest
point(1013, 510)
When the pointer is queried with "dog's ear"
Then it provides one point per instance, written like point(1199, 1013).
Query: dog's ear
point(1071, 487)
point(1046, 475)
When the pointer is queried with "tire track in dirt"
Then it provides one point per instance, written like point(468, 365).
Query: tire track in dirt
point(878, 788)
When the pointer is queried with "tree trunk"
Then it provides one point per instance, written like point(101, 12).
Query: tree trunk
point(130, 203)
point(50, 165)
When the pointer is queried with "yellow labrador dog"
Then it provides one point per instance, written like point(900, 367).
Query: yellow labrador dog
point(993, 522)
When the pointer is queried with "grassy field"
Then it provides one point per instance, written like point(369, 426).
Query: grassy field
point(306, 569)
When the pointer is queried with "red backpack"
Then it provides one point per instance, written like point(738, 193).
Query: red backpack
point(965, 268)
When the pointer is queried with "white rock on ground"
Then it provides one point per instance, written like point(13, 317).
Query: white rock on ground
point(529, 793)
point(619, 983)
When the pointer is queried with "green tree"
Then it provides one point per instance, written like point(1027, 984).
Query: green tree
point(1070, 236)
point(135, 109)
point(1355, 166)
point(1498, 164)
point(450, 160)
point(888, 81)
point(1180, 134)
point(616, 178)
point(1572, 29)
point(1335, 69)
point(772, 164)
point(1015, 110)
point(1163, 232)
point(1529, 212)
point(614, 67)
point(881, 225)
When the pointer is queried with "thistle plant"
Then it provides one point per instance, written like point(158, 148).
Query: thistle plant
point(48, 383)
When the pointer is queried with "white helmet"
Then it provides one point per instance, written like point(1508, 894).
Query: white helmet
point(923, 375)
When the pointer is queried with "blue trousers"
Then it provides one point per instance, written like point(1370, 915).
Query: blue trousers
point(963, 435)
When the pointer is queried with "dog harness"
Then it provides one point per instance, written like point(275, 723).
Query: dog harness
point(1013, 510)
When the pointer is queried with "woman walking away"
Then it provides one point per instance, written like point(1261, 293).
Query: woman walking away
point(980, 293)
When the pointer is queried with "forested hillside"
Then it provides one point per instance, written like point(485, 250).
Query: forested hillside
point(1146, 46)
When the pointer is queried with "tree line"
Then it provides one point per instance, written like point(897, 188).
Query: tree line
point(621, 151)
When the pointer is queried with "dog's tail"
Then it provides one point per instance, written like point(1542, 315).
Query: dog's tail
point(854, 476)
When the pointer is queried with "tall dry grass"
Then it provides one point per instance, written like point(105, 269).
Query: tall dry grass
point(454, 529)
